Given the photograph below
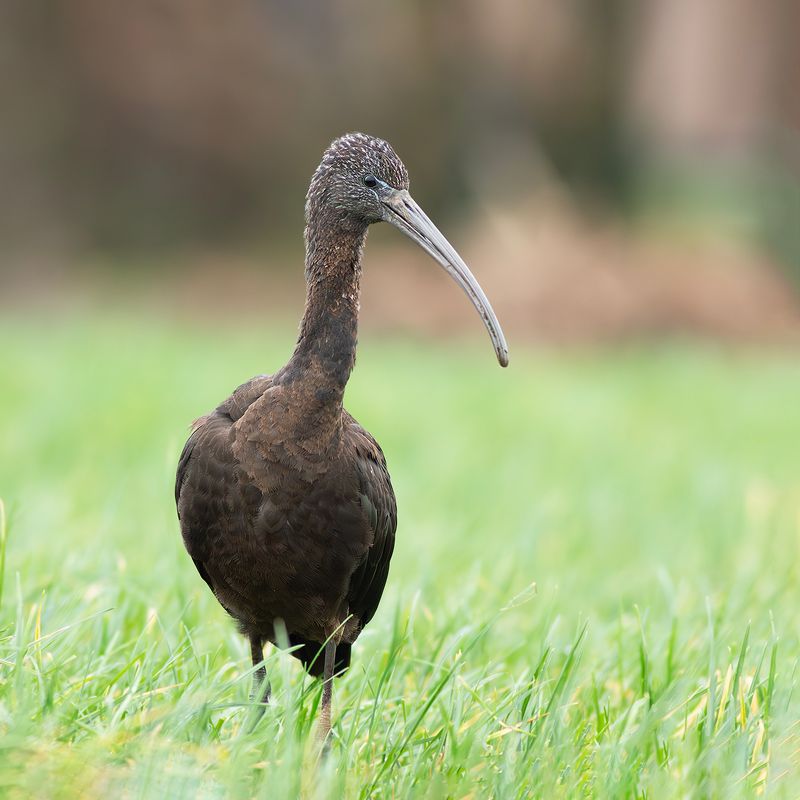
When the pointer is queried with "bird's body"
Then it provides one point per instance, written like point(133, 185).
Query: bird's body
point(286, 528)
point(285, 502)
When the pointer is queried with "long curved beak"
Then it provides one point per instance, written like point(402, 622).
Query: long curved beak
point(401, 210)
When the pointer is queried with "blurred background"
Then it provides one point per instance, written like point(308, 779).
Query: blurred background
point(608, 169)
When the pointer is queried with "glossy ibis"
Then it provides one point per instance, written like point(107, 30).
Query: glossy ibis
point(284, 500)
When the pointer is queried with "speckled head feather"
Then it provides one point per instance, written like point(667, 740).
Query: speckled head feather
point(337, 183)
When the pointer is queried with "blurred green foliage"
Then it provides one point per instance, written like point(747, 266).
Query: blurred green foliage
point(650, 494)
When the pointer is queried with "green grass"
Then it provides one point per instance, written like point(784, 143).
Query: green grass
point(594, 590)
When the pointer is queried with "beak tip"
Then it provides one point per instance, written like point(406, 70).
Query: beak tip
point(502, 358)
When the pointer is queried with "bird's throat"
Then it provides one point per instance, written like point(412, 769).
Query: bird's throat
point(326, 347)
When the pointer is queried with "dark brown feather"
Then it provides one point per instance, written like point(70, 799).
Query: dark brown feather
point(275, 537)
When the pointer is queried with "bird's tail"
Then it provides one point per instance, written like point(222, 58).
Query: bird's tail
point(312, 655)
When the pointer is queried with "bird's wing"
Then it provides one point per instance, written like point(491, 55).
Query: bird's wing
point(226, 413)
point(206, 485)
point(380, 508)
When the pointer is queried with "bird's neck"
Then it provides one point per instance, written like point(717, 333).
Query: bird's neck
point(326, 347)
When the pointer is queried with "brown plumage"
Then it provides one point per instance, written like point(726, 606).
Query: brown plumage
point(284, 500)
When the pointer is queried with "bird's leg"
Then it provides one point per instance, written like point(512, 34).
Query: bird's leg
point(327, 693)
point(261, 687)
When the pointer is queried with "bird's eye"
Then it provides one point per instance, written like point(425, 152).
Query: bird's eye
point(370, 180)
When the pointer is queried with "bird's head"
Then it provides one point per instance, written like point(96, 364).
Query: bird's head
point(361, 180)
point(355, 174)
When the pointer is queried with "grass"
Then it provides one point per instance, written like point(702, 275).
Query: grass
point(594, 592)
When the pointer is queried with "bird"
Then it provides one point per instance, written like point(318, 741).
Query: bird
point(284, 501)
